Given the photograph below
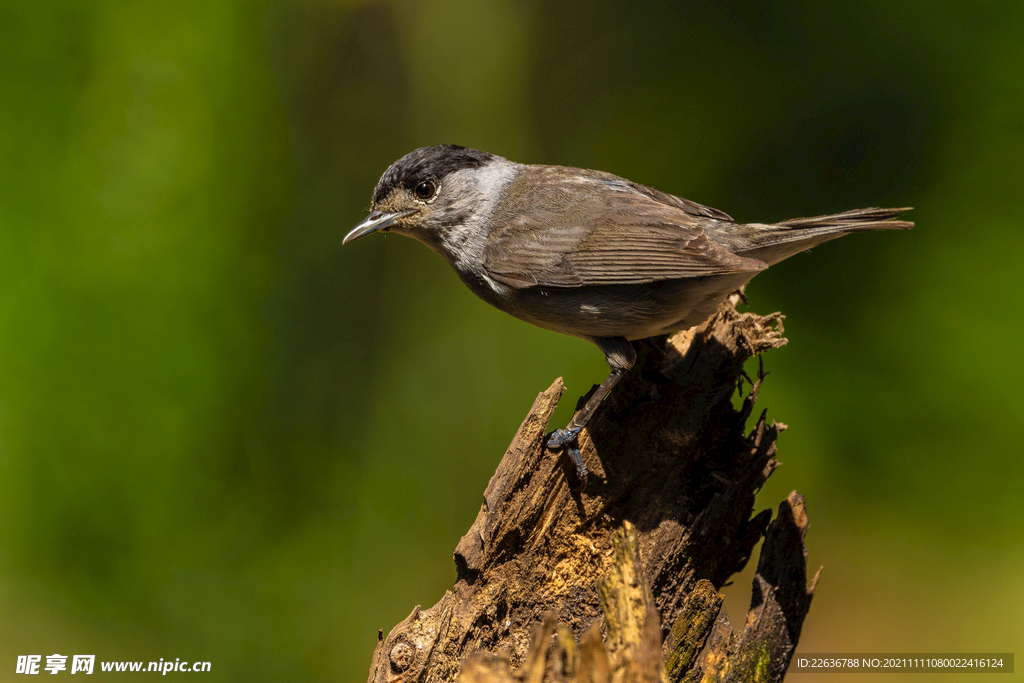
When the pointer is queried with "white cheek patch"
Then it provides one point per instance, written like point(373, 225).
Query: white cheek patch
point(478, 191)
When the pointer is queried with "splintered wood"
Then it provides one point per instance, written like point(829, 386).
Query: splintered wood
point(618, 582)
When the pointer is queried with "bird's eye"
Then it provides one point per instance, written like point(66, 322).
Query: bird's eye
point(425, 190)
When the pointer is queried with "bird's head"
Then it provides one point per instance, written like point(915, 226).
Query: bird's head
point(439, 195)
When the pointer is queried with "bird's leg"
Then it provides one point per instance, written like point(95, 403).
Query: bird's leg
point(620, 356)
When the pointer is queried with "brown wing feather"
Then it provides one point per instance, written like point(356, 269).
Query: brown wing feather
point(575, 229)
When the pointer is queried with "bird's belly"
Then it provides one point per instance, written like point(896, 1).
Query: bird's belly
point(634, 311)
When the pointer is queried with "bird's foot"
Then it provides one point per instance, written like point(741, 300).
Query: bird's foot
point(568, 438)
point(561, 437)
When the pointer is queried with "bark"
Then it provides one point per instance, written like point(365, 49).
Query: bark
point(558, 584)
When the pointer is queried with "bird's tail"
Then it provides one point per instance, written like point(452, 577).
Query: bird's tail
point(773, 243)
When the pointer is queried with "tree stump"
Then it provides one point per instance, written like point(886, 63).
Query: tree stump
point(618, 581)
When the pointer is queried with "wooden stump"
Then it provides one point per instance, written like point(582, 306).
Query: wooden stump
point(556, 584)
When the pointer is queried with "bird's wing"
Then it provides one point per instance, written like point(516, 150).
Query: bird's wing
point(583, 228)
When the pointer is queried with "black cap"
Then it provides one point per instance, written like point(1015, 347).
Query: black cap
point(428, 163)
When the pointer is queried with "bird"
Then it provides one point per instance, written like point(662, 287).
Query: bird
point(587, 253)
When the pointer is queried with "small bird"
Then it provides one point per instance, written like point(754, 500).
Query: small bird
point(586, 253)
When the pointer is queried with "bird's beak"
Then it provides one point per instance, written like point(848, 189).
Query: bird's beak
point(377, 220)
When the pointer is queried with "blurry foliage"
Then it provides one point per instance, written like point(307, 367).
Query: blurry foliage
point(223, 437)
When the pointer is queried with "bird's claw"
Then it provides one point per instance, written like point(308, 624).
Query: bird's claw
point(561, 437)
point(567, 438)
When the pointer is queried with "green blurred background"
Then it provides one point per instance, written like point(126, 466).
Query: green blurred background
point(224, 437)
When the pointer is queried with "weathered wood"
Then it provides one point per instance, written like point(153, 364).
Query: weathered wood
point(631, 653)
point(691, 629)
point(673, 478)
point(778, 607)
